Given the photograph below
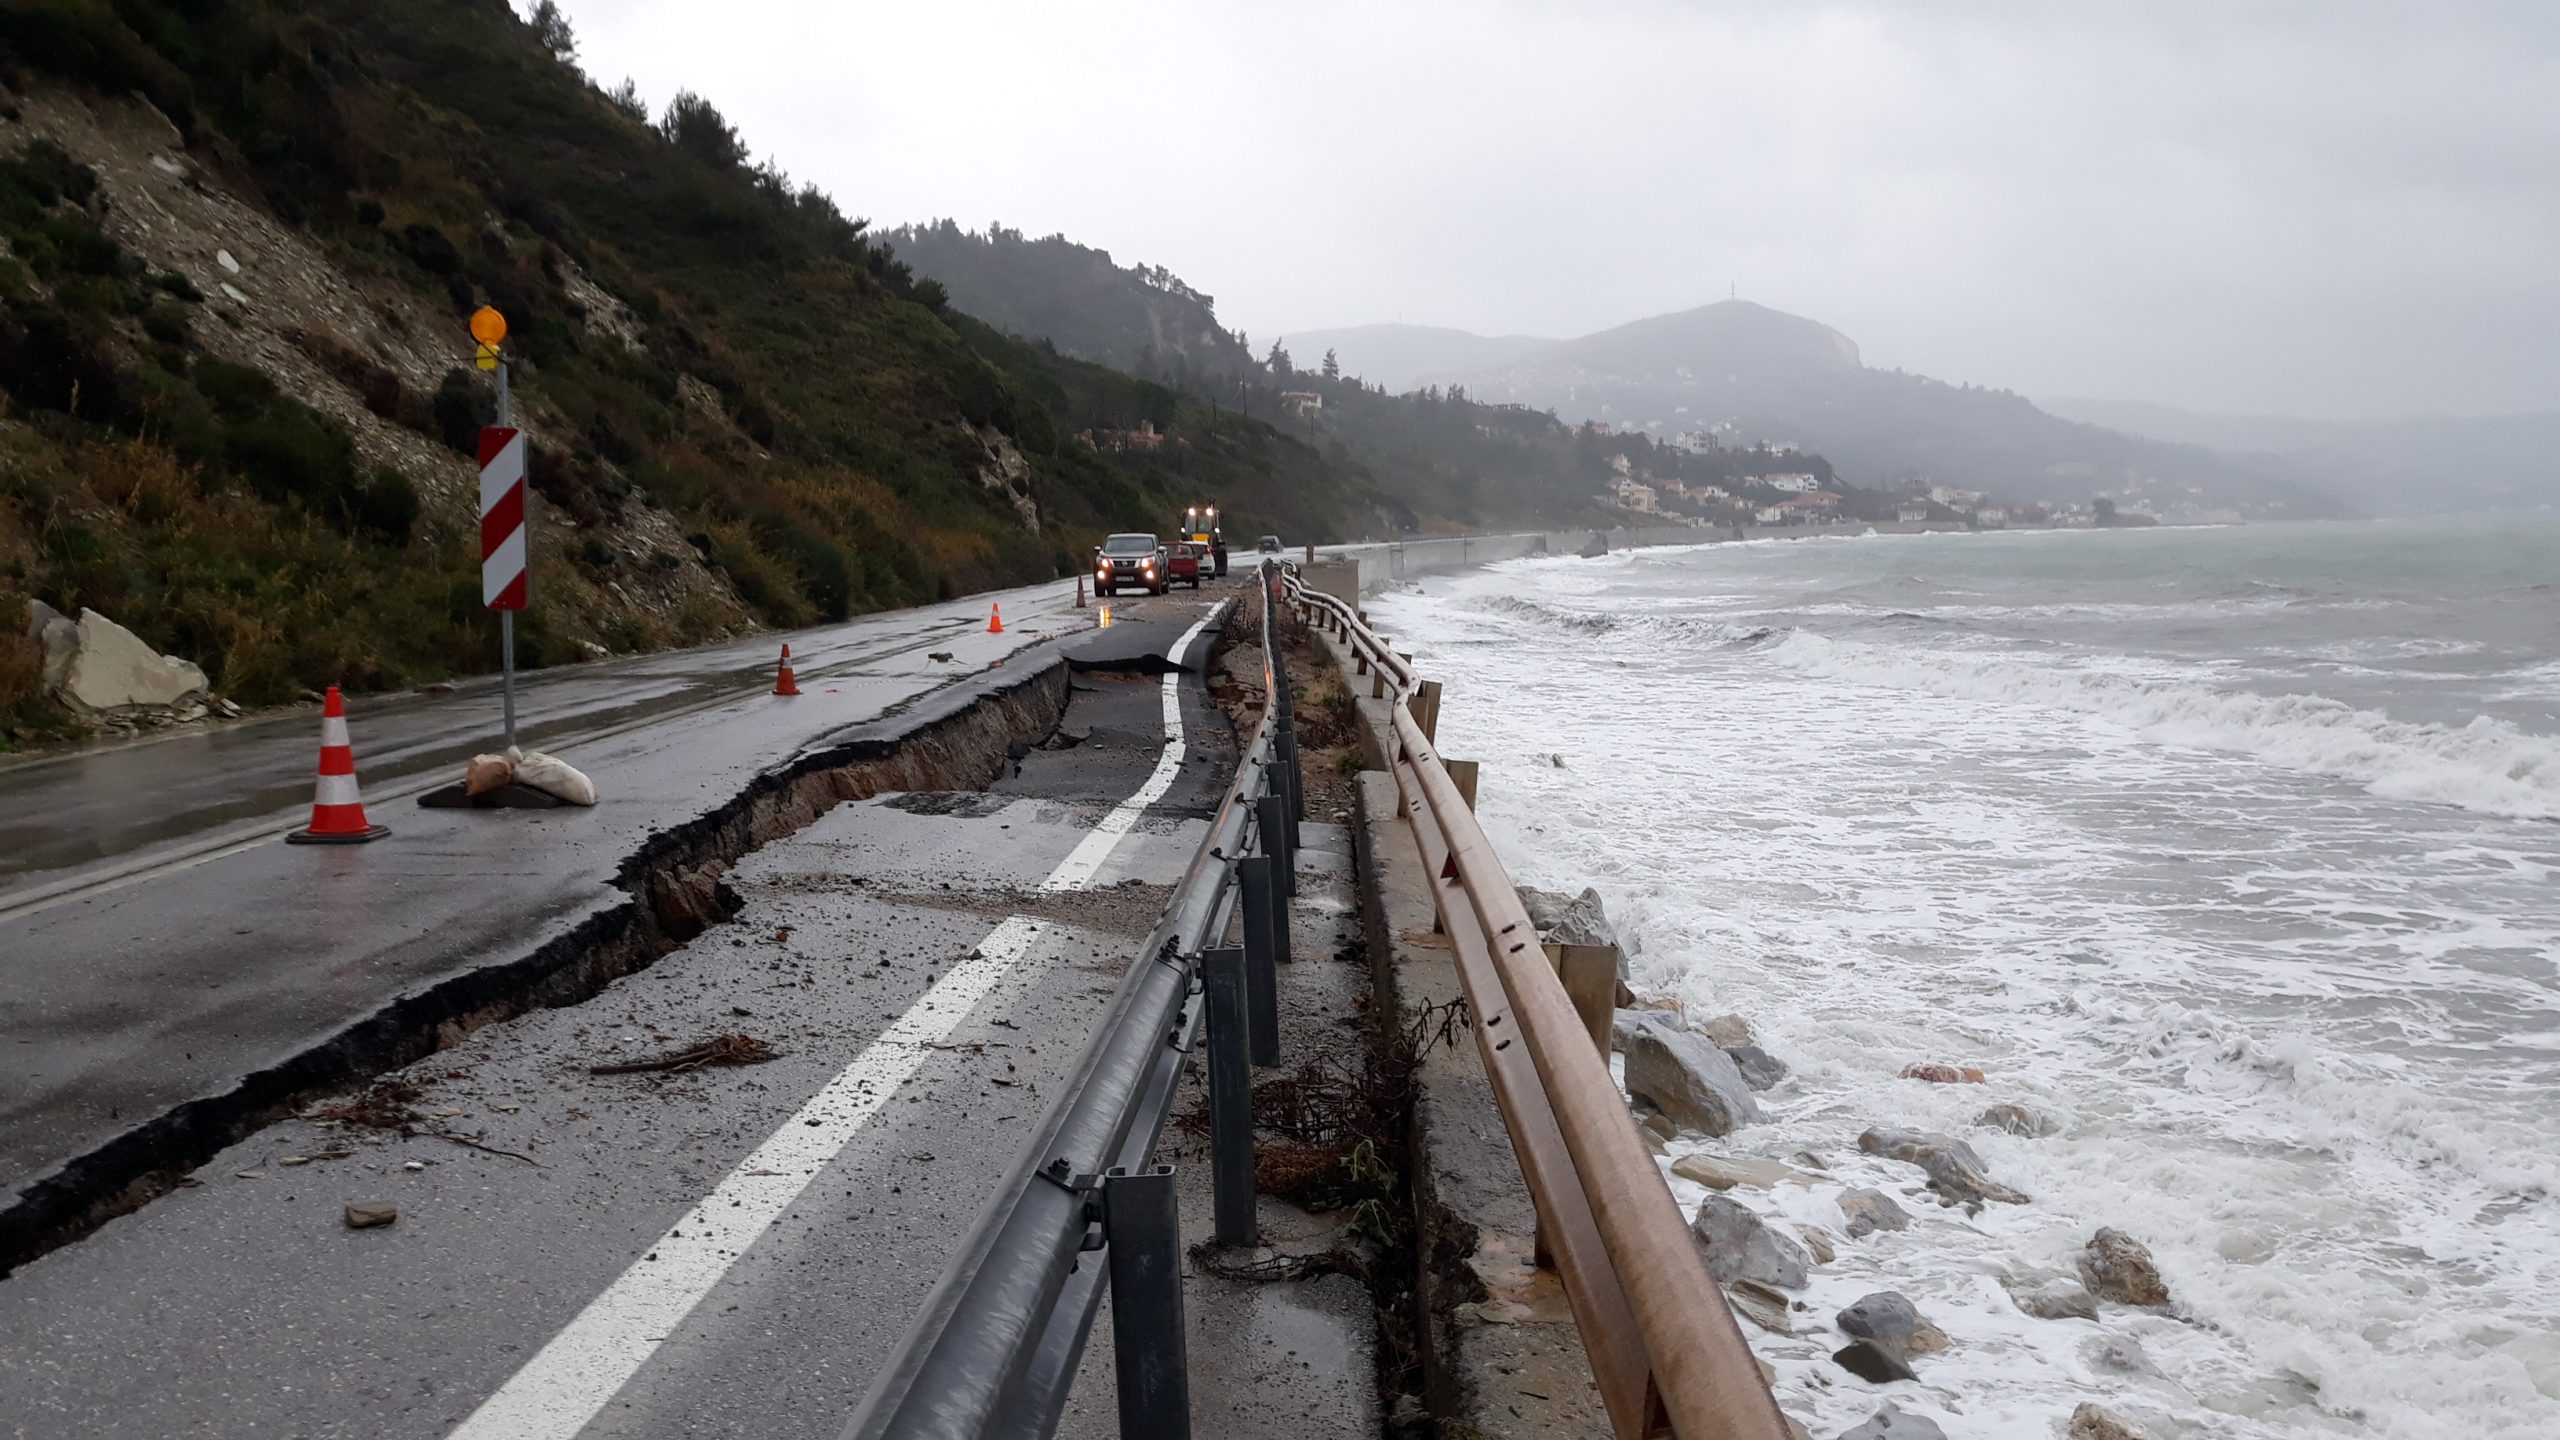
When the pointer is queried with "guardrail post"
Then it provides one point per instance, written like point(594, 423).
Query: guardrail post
point(1143, 1229)
point(1295, 790)
point(1230, 1095)
point(1271, 820)
point(1462, 773)
point(1426, 709)
point(1266, 942)
point(1590, 976)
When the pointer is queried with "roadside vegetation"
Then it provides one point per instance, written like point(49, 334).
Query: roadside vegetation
point(713, 339)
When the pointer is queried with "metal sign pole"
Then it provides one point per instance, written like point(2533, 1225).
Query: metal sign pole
point(506, 618)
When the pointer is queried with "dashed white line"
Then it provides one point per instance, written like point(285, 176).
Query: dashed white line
point(1087, 859)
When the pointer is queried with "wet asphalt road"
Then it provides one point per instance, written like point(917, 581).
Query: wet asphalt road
point(242, 1305)
point(183, 947)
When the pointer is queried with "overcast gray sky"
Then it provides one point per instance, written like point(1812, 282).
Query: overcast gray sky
point(2330, 209)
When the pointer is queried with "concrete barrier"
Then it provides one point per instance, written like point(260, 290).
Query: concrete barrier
point(1383, 563)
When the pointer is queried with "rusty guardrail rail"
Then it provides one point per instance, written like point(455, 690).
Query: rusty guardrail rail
point(1663, 1345)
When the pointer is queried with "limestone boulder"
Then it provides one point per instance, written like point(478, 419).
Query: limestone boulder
point(1739, 1245)
point(1728, 1031)
point(1955, 1172)
point(2048, 1296)
point(2019, 1120)
point(59, 634)
point(1718, 1172)
point(1760, 1069)
point(1888, 1318)
point(1688, 1079)
point(1868, 1211)
point(2097, 1422)
point(1568, 919)
point(111, 672)
point(2117, 1267)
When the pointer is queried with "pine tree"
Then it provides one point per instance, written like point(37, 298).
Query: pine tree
point(1332, 367)
point(551, 29)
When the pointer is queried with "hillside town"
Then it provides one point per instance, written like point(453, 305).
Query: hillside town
point(1768, 484)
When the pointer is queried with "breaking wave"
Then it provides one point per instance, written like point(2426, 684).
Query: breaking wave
point(2486, 766)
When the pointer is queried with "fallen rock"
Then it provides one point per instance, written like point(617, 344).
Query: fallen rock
point(2018, 1120)
point(1955, 1172)
point(1569, 919)
point(1728, 1031)
point(111, 672)
point(1869, 1211)
point(1943, 1074)
point(1739, 1245)
point(59, 634)
point(1761, 1305)
point(1872, 1362)
point(1891, 1424)
point(367, 1216)
point(1760, 1069)
point(2048, 1296)
point(2117, 1267)
point(1623, 1023)
point(1657, 1123)
point(1717, 1172)
point(1890, 1319)
point(2097, 1422)
point(1818, 1241)
point(1693, 1082)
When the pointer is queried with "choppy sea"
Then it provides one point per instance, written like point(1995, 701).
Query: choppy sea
point(2234, 851)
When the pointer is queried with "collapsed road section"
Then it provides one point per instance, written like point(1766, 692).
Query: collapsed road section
point(618, 1212)
point(151, 1024)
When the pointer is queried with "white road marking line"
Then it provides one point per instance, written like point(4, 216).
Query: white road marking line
point(1094, 850)
point(570, 1380)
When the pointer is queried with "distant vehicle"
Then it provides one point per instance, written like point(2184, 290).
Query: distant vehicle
point(1183, 560)
point(1200, 527)
point(1268, 545)
point(1130, 561)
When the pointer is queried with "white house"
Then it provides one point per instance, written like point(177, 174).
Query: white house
point(1993, 518)
point(1799, 484)
point(1770, 515)
point(1911, 514)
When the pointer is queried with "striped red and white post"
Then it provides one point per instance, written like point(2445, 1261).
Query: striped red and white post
point(502, 542)
point(502, 518)
point(337, 807)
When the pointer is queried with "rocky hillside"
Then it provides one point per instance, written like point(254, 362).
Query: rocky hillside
point(1139, 318)
point(237, 244)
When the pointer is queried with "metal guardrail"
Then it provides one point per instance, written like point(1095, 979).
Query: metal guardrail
point(995, 1349)
point(1663, 1345)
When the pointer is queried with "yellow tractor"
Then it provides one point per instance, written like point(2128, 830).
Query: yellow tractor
point(1200, 527)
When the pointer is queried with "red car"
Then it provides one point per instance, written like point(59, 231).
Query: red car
point(1183, 559)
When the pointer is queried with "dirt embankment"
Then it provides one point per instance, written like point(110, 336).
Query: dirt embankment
point(1328, 719)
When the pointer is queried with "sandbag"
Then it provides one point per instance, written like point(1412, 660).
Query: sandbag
point(553, 776)
point(486, 773)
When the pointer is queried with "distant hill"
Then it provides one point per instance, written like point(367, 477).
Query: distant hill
point(1401, 357)
point(1771, 375)
point(2398, 465)
point(1140, 318)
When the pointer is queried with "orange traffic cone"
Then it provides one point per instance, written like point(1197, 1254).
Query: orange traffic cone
point(995, 618)
point(784, 684)
point(337, 810)
point(1079, 589)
